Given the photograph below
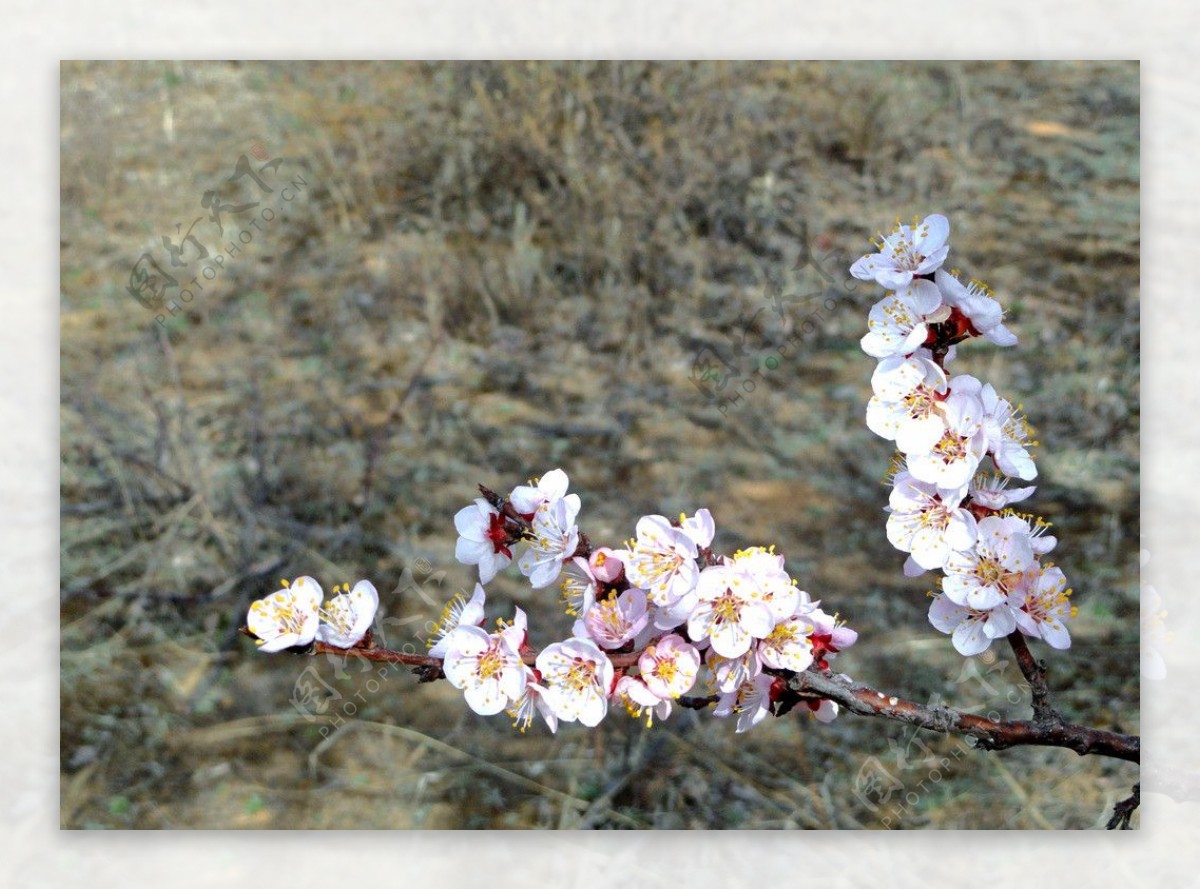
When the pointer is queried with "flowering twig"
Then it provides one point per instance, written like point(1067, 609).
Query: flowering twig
point(666, 614)
point(857, 698)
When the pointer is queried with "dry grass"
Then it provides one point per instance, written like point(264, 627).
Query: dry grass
point(497, 269)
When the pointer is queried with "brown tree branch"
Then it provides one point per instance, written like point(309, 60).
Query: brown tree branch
point(991, 735)
point(1123, 811)
point(857, 698)
point(1034, 672)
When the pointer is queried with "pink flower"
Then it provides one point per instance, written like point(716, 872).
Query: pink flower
point(985, 575)
point(669, 666)
point(578, 678)
point(487, 667)
point(640, 700)
point(908, 251)
point(661, 561)
point(730, 613)
point(288, 617)
point(1047, 606)
point(615, 621)
point(751, 702)
point(605, 565)
point(347, 617)
point(458, 612)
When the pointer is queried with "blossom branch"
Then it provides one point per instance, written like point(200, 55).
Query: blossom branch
point(857, 698)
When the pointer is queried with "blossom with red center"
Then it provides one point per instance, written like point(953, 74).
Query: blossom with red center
point(483, 539)
point(829, 637)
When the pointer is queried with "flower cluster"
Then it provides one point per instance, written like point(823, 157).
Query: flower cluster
point(948, 509)
point(298, 613)
point(652, 619)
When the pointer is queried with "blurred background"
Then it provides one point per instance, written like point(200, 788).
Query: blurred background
point(306, 307)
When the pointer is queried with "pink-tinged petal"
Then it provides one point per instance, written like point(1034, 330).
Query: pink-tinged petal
point(912, 569)
point(843, 637)
point(932, 234)
point(919, 436)
point(470, 552)
point(923, 296)
point(961, 530)
point(969, 638)
point(982, 598)
point(945, 615)
point(1001, 336)
point(471, 521)
point(605, 565)
point(486, 698)
point(894, 279)
point(1055, 634)
point(826, 711)
point(729, 638)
